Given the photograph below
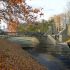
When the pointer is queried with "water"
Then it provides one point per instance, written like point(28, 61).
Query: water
point(51, 62)
point(65, 60)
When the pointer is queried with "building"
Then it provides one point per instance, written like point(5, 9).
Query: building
point(60, 22)
point(62, 25)
point(68, 29)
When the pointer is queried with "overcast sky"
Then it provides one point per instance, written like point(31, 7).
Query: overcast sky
point(51, 7)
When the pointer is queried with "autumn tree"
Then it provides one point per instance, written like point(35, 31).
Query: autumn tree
point(18, 10)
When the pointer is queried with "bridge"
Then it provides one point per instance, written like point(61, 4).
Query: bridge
point(30, 39)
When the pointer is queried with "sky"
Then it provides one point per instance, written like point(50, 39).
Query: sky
point(50, 7)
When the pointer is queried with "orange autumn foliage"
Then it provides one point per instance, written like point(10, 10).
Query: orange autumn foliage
point(36, 10)
point(15, 1)
point(12, 26)
point(18, 10)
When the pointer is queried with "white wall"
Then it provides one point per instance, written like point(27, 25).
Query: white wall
point(3, 24)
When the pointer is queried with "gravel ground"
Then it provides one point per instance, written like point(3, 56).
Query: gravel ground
point(12, 57)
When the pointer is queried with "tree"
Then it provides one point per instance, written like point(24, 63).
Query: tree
point(67, 15)
point(51, 26)
point(18, 10)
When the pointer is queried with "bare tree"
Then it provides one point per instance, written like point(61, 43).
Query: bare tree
point(68, 12)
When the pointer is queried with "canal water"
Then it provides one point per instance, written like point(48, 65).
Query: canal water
point(45, 58)
point(48, 60)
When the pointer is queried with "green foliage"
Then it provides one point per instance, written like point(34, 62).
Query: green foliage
point(31, 28)
point(21, 28)
point(35, 27)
